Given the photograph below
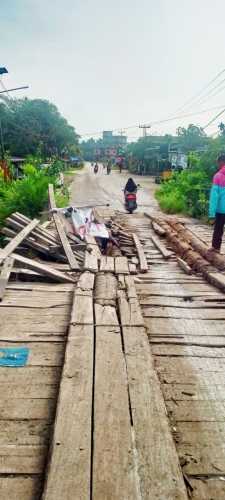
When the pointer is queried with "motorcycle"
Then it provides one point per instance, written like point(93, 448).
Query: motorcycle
point(130, 201)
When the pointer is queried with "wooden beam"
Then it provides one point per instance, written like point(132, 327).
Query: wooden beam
point(11, 246)
point(142, 259)
point(5, 273)
point(41, 268)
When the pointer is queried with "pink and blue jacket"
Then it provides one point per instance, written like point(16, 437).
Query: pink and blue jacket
point(217, 195)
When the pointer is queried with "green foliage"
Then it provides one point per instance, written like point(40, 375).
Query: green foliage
point(35, 125)
point(188, 191)
point(62, 198)
point(56, 167)
point(27, 196)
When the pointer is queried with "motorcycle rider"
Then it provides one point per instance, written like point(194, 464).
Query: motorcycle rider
point(130, 187)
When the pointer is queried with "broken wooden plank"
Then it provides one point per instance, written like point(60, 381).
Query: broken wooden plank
point(132, 268)
point(11, 246)
point(65, 242)
point(43, 269)
point(107, 264)
point(91, 262)
point(113, 459)
point(5, 273)
point(121, 265)
point(142, 259)
point(62, 233)
point(161, 247)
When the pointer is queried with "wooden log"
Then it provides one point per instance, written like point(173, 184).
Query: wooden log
point(13, 244)
point(161, 247)
point(42, 269)
point(5, 273)
point(142, 259)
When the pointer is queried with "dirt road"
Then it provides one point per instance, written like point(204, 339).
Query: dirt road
point(90, 188)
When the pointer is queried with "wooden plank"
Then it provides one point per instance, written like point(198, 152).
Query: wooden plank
point(158, 229)
point(15, 242)
point(106, 289)
point(22, 459)
point(161, 247)
point(142, 259)
point(43, 269)
point(132, 268)
point(91, 262)
point(193, 351)
point(107, 264)
point(184, 313)
point(196, 392)
point(51, 196)
point(65, 242)
point(158, 465)
point(5, 274)
point(105, 315)
point(121, 265)
point(20, 488)
point(113, 460)
point(82, 313)
point(70, 461)
point(130, 311)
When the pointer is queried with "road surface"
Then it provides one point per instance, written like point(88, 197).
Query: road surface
point(100, 188)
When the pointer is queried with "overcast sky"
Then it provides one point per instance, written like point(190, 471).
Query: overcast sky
point(112, 64)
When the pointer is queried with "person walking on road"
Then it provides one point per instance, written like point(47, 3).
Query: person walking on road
point(217, 205)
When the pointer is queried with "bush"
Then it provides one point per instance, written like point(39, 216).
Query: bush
point(188, 191)
point(27, 196)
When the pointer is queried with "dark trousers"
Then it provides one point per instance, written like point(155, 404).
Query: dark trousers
point(218, 231)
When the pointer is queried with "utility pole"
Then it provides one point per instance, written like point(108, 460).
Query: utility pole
point(144, 128)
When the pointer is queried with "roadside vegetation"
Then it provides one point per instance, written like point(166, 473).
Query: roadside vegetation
point(187, 192)
point(34, 131)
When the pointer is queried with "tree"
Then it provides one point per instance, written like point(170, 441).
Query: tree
point(192, 137)
point(29, 125)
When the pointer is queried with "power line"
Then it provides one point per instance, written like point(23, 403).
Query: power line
point(193, 98)
point(213, 119)
point(174, 118)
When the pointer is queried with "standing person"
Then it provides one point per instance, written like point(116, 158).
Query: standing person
point(217, 205)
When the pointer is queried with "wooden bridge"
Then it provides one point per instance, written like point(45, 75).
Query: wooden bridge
point(122, 396)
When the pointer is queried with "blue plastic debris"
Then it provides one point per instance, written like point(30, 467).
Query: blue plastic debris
point(13, 356)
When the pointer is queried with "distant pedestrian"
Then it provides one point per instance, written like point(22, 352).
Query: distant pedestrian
point(217, 205)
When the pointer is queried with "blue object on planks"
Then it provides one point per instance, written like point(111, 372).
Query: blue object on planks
point(13, 356)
